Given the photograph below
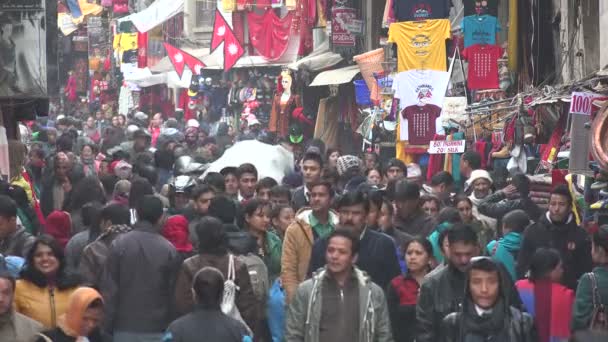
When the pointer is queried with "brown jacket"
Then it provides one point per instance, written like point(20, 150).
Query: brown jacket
point(246, 302)
point(297, 248)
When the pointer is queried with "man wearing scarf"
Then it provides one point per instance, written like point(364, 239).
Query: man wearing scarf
point(487, 314)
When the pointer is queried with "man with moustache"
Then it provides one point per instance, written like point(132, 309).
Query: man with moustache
point(377, 254)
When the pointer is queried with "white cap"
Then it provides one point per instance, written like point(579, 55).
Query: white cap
point(192, 123)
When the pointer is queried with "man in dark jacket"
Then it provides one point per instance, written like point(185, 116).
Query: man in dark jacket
point(14, 239)
point(512, 197)
point(312, 164)
point(557, 229)
point(207, 320)
point(410, 218)
point(486, 314)
point(443, 292)
point(377, 254)
point(138, 278)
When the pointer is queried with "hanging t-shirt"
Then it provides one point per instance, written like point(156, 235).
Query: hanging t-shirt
point(420, 87)
point(409, 10)
point(421, 122)
point(480, 7)
point(483, 66)
point(479, 29)
point(420, 45)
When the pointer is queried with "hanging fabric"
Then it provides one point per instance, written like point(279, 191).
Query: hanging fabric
point(269, 34)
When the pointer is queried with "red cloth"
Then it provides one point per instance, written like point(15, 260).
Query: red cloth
point(59, 226)
point(435, 161)
point(421, 123)
point(70, 89)
point(480, 147)
point(269, 34)
point(175, 231)
point(483, 66)
point(142, 50)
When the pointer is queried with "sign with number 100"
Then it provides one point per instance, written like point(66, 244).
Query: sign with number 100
point(581, 103)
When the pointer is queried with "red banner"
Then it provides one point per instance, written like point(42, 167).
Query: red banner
point(342, 17)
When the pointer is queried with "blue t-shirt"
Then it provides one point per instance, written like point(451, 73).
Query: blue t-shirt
point(480, 30)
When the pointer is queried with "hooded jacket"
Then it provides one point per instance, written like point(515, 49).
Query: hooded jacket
point(504, 323)
point(572, 243)
point(137, 280)
point(505, 251)
point(297, 248)
point(59, 226)
point(175, 231)
point(304, 313)
point(70, 323)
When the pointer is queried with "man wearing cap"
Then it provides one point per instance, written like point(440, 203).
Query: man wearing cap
point(395, 169)
point(348, 167)
point(480, 184)
point(409, 216)
point(14, 326)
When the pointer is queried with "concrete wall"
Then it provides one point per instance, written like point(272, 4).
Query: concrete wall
point(603, 45)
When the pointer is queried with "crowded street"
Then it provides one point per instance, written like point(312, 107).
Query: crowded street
point(303, 171)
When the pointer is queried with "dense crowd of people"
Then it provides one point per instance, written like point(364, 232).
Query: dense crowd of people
point(112, 230)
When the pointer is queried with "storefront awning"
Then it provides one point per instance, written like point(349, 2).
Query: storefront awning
point(321, 58)
point(336, 76)
point(155, 14)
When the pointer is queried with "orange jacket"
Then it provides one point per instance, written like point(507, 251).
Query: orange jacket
point(43, 304)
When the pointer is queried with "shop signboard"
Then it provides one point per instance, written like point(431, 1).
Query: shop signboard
point(342, 18)
point(443, 146)
point(23, 63)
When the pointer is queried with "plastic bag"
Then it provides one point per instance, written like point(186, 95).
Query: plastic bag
point(275, 311)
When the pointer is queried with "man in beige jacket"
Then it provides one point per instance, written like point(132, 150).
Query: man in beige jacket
point(311, 224)
point(13, 325)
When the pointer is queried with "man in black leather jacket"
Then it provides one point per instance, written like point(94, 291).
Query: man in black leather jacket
point(443, 292)
point(486, 314)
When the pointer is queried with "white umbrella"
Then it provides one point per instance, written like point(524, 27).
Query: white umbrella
point(270, 160)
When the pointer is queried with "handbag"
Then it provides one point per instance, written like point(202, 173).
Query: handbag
point(599, 319)
point(228, 304)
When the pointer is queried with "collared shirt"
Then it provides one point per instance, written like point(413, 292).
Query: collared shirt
point(322, 230)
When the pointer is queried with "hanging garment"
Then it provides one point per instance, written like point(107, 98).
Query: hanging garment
point(415, 86)
point(125, 100)
point(326, 127)
point(321, 14)
point(70, 89)
point(269, 34)
point(479, 29)
point(408, 10)
point(142, 51)
point(483, 66)
point(228, 5)
point(420, 45)
point(435, 161)
point(389, 14)
point(421, 123)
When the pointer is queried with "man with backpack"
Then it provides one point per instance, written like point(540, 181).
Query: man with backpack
point(207, 319)
point(213, 252)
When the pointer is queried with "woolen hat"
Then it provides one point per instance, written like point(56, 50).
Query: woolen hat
point(347, 162)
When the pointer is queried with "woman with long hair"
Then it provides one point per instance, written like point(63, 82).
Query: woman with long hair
point(87, 190)
point(45, 285)
point(545, 299)
point(257, 223)
point(465, 209)
point(402, 292)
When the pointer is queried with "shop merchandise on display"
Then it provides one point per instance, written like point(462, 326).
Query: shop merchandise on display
point(483, 66)
point(480, 7)
point(479, 29)
point(420, 45)
point(410, 10)
point(421, 122)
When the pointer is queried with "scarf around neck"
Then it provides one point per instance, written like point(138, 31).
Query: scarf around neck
point(481, 328)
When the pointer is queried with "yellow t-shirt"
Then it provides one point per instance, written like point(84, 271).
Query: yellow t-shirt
point(420, 44)
point(125, 41)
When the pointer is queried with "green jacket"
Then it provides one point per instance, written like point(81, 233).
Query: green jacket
point(272, 258)
point(583, 302)
point(304, 313)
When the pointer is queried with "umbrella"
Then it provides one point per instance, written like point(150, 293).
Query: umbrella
point(272, 161)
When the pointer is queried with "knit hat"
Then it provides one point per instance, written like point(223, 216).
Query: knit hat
point(175, 231)
point(477, 174)
point(346, 163)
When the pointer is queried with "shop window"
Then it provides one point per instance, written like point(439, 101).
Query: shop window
point(205, 13)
